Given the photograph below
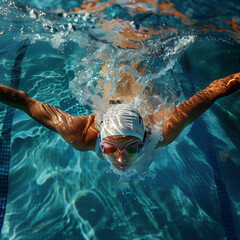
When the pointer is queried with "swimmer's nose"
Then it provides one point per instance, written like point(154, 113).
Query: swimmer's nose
point(121, 158)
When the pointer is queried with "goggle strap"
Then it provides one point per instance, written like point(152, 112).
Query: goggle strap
point(145, 134)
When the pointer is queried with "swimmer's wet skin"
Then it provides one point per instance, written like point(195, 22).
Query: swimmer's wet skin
point(186, 112)
point(81, 132)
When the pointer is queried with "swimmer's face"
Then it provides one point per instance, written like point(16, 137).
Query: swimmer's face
point(122, 161)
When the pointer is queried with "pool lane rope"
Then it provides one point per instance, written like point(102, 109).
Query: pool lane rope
point(5, 138)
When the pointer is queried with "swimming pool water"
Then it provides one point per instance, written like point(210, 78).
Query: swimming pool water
point(57, 193)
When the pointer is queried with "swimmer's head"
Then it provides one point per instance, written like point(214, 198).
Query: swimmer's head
point(122, 119)
point(123, 128)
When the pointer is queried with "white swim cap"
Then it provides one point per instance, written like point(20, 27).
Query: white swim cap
point(122, 119)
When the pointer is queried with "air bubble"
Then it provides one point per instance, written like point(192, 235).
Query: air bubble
point(33, 14)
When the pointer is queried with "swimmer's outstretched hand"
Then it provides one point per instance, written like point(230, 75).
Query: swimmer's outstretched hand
point(224, 86)
point(235, 81)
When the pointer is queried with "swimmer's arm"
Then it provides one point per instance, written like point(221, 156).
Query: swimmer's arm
point(46, 114)
point(77, 131)
point(186, 112)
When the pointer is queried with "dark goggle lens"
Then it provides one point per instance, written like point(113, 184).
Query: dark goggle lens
point(131, 150)
point(111, 151)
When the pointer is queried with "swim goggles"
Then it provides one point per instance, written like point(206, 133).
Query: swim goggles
point(112, 150)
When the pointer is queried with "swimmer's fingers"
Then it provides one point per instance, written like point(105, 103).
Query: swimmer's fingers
point(224, 86)
point(234, 82)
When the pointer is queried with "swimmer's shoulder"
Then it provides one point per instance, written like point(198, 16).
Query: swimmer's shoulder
point(83, 132)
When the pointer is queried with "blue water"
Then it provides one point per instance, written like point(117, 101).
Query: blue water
point(57, 193)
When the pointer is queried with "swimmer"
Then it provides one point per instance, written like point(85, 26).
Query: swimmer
point(122, 135)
